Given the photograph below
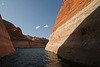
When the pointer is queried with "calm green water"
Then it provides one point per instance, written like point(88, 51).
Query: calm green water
point(33, 57)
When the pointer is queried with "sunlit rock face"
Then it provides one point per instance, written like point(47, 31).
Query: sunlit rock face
point(19, 40)
point(6, 46)
point(75, 36)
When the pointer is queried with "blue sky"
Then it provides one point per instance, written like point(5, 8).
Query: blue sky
point(34, 17)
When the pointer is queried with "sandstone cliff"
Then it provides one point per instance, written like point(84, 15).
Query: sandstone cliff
point(20, 40)
point(75, 36)
point(6, 46)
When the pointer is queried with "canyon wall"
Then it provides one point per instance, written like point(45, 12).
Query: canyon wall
point(6, 46)
point(76, 34)
point(19, 40)
point(27, 44)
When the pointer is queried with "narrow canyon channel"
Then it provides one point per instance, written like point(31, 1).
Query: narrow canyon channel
point(34, 57)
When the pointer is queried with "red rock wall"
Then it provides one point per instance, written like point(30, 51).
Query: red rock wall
point(6, 46)
point(19, 40)
point(68, 9)
point(27, 44)
point(75, 36)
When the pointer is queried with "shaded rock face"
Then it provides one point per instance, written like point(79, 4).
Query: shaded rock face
point(20, 40)
point(15, 32)
point(6, 46)
point(78, 39)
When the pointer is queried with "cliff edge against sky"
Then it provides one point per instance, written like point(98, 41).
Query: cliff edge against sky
point(19, 40)
point(75, 36)
point(6, 46)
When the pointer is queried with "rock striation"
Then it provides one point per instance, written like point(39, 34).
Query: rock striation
point(20, 40)
point(6, 46)
point(75, 36)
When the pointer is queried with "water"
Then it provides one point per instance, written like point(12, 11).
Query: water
point(33, 57)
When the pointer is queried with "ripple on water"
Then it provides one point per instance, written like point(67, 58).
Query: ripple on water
point(33, 57)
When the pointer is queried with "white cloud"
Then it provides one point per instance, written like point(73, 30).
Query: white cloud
point(46, 26)
point(37, 27)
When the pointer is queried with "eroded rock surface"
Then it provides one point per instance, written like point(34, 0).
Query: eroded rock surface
point(20, 40)
point(6, 46)
point(75, 36)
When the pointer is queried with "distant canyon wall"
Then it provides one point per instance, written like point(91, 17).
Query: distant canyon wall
point(27, 44)
point(76, 34)
point(19, 40)
point(6, 46)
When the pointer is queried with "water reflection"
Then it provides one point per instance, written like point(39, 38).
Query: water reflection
point(54, 61)
point(33, 57)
